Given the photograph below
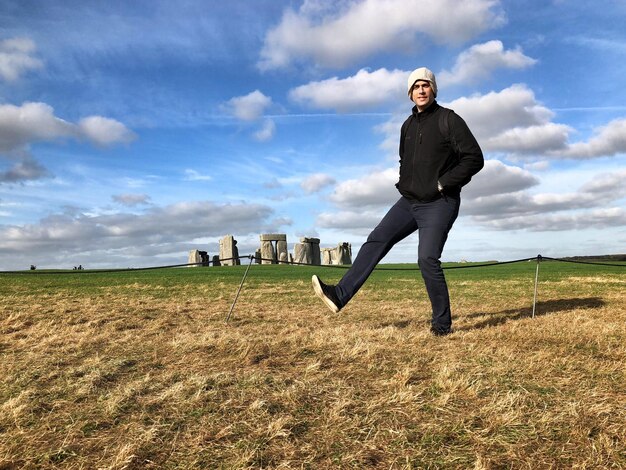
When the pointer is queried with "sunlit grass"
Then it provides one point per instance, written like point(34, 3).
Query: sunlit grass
point(140, 370)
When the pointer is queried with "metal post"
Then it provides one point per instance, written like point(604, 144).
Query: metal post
point(536, 282)
point(239, 290)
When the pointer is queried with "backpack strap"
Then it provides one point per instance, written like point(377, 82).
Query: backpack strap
point(446, 129)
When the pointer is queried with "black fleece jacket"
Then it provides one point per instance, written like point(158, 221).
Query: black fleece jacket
point(427, 157)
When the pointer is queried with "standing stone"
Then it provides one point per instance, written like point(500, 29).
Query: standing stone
point(271, 253)
point(281, 252)
point(197, 258)
point(344, 253)
point(193, 258)
point(327, 255)
point(267, 252)
point(316, 258)
point(216, 260)
point(229, 254)
point(302, 253)
point(311, 249)
point(257, 256)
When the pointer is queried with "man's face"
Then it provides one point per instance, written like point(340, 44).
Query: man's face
point(422, 94)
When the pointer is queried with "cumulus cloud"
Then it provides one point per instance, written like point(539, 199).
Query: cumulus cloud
point(131, 200)
point(377, 189)
point(16, 58)
point(99, 238)
point(248, 107)
point(365, 89)
point(490, 114)
point(510, 121)
point(31, 122)
point(353, 221)
point(498, 197)
point(251, 107)
point(372, 190)
point(481, 60)
point(599, 218)
point(23, 125)
point(498, 178)
point(608, 140)
point(104, 131)
point(514, 122)
point(25, 170)
point(266, 132)
point(546, 211)
point(317, 182)
point(355, 30)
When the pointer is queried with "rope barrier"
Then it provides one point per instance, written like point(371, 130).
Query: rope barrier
point(566, 260)
point(539, 259)
point(294, 263)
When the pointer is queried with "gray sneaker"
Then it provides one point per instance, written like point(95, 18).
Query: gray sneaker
point(327, 293)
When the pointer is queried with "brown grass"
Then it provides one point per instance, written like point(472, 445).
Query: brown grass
point(139, 375)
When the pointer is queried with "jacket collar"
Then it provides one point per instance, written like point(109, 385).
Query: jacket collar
point(434, 106)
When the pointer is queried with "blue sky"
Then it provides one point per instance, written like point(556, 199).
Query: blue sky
point(133, 132)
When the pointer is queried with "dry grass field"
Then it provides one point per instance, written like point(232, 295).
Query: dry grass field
point(140, 370)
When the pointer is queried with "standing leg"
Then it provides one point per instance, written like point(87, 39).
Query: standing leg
point(435, 220)
point(395, 226)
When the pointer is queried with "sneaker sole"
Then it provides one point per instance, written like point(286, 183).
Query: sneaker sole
point(320, 293)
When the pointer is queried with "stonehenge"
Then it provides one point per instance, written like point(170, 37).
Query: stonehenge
point(274, 250)
point(229, 254)
point(341, 254)
point(197, 258)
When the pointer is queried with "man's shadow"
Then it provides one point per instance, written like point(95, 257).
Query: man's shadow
point(542, 308)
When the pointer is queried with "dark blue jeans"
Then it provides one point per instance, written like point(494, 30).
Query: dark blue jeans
point(433, 220)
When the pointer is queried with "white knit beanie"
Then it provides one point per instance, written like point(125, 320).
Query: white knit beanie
point(422, 74)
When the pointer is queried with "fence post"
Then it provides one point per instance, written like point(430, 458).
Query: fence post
point(536, 282)
point(239, 290)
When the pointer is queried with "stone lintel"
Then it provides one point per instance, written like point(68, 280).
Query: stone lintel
point(273, 237)
point(309, 240)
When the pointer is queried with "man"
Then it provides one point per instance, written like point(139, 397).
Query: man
point(438, 155)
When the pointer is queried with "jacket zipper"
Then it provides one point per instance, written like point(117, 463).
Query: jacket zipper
point(419, 142)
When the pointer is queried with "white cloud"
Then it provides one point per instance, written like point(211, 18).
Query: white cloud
point(266, 132)
point(479, 61)
point(498, 178)
point(539, 212)
point(355, 221)
point(31, 122)
point(316, 182)
point(16, 58)
point(193, 175)
point(23, 125)
point(496, 112)
point(131, 200)
point(104, 131)
point(513, 121)
point(533, 140)
point(355, 30)
point(377, 189)
point(248, 107)
point(365, 89)
point(608, 140)
point(98, 239)
point(374, 189)
point(599, 218)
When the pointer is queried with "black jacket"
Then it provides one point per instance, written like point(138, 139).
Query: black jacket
point(428, 157)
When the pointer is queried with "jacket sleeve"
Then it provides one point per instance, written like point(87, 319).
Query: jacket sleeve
point(471, 158)
point(403, 131)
